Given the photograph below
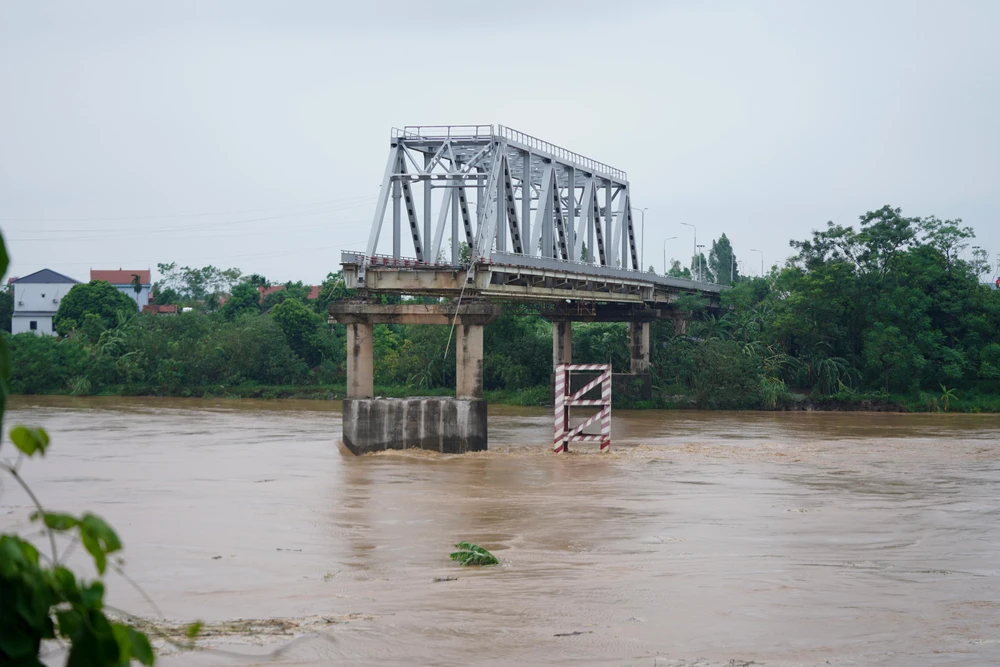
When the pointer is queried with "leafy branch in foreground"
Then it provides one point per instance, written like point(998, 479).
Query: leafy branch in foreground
point(40, 599)
point(473, 554)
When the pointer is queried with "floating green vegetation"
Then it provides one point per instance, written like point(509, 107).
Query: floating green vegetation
point(473, 554)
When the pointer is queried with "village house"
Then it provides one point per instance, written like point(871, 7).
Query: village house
point(122, 279)
point(36, 300)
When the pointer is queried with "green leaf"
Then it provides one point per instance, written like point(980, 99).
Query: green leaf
point(93, 547)
point(70, 621)
point(99, 539)
point(4, 257)
point(472, 554)
point(92, 595)
point(193, 630)
point(30, 440)
point(57, 520)
point(132, 644)
point(141, 649)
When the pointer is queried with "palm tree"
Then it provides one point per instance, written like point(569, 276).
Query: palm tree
point(947, 396)
point(136, 287)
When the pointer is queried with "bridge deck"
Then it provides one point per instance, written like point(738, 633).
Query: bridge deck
point(523, 278)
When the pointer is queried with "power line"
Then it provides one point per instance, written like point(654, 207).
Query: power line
point(179, 215)
point(126, 233)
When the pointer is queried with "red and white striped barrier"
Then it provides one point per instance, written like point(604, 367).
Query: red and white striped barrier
point(565, 399)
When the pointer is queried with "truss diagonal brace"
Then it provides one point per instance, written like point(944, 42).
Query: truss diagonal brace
point(508, 197)
point(383, 200)
point(411, 212)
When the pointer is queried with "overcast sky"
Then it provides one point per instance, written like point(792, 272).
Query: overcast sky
point(124, 124)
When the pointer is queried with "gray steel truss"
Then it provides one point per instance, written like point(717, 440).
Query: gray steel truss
point(527, 218)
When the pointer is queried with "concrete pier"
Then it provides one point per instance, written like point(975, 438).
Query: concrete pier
point(562, 342)
point(360, 360)
point(447, 425)
point(638, 338)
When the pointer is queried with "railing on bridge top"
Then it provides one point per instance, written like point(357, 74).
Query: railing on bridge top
point(485, 132)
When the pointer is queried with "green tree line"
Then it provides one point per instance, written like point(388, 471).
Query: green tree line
point(886, 314)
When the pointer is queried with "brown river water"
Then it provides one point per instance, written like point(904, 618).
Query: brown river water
point(703, 538)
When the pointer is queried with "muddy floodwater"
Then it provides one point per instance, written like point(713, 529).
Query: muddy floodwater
point(702, 538)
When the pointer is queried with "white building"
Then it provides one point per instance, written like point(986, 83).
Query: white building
point(36, 300)
point(122, 279)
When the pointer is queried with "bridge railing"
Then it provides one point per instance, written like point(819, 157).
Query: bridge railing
point(558, 151)
point(439, 132)
point(481, 132)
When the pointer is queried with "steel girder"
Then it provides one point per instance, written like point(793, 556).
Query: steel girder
point(530, 198)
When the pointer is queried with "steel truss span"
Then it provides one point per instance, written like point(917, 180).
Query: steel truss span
point(499, 212)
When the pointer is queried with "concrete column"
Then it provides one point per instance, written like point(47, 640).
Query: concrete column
point(562, 342)
point(638, 334)
point(680, 326)
point(360, 369)
point(469, 361)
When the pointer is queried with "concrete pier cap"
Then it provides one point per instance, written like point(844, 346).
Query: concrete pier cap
point(448, 425)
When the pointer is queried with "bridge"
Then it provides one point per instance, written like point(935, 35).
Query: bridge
point(484, 215)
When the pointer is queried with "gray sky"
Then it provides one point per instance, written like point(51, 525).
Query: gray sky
point(124, 122)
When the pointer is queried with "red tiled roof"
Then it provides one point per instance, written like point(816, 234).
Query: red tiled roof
point(121, 276)
point(271, 289)
point(155, 309)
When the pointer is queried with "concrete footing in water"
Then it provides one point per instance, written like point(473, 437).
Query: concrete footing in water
point(446, 425)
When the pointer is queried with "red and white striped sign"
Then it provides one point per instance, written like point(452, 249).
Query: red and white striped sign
point(565, 400)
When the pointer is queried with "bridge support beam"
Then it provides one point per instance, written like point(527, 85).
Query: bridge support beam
point(638, 338)
point(360, 360)
point(469, 361)
point(562, 342)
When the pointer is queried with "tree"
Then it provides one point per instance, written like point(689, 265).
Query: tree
point(299, 325)
point(165, 295)
point(948, 237)
point(980, 262)
point(678, 271)
point(289, 290)
point(198, 284)
point(257, 280)
point(6, 309)
point(97, 297)
point(333, 289)
point(136, 287)
point(722, 261)
point(701, 270)
point(244, 299)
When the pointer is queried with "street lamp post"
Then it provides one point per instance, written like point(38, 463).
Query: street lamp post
point(665, 253)
point(694, 246)
point(761, 260)
point(642, 250)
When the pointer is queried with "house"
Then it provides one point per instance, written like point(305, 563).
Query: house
point(122, 279)
point(154, 309)
point(36, 300)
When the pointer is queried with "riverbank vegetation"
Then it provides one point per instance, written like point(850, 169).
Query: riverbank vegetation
point(884, 316)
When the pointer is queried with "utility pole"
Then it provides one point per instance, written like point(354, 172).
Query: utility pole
point(694, 246)
point(701, 274)
point(665, 253)
point(761, 260)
